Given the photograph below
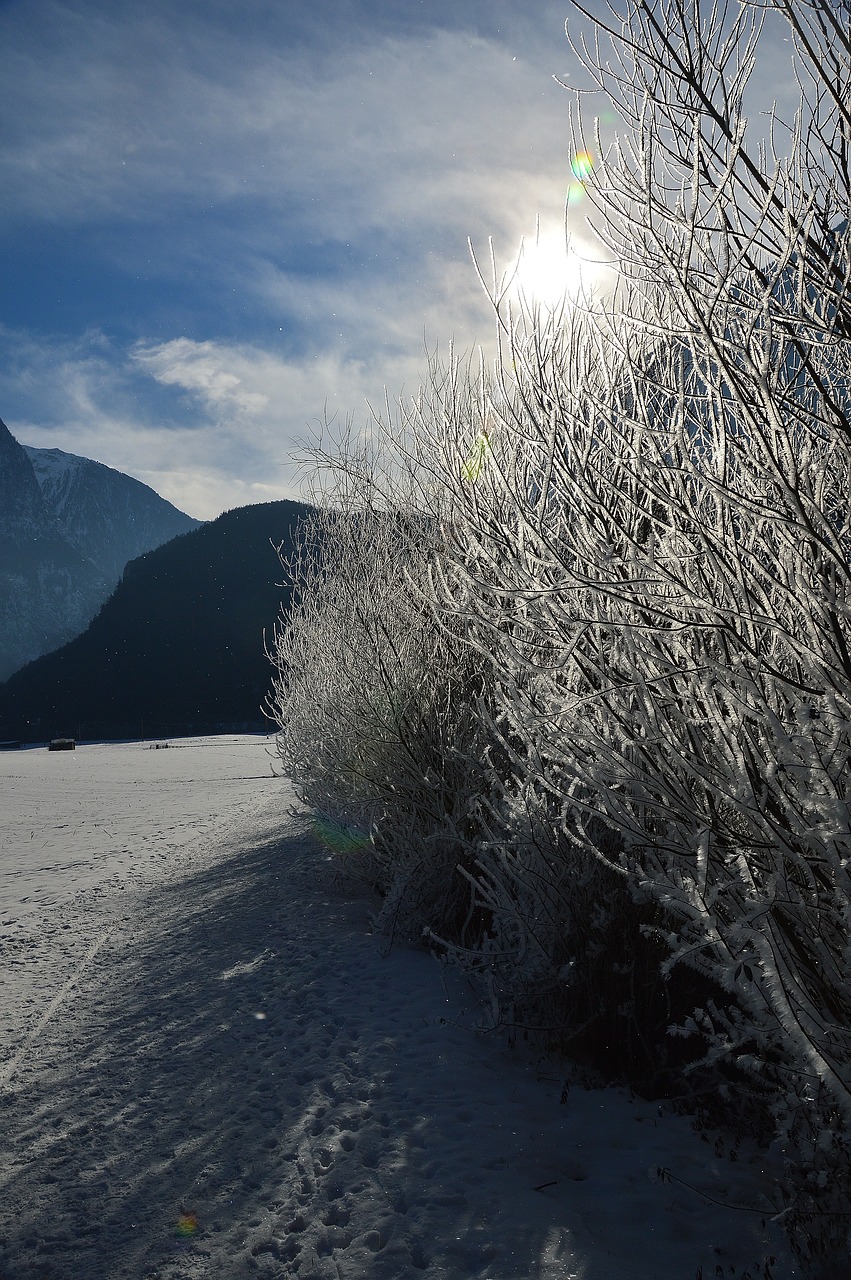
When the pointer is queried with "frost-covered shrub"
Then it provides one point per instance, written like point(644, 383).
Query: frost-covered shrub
point(553, 935)
point(654, 548)
point(599, 688)
point(372, 700)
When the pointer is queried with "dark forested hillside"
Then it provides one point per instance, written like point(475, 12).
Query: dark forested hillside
point(178, 647)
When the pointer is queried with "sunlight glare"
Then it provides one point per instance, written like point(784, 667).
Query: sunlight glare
point(547, 271)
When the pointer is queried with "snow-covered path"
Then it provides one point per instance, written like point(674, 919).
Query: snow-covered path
point(209, 1068)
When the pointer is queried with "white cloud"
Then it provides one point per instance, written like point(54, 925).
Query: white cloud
point(259, 409)
point(198, 367)
point(227, 430)
point(326, 192)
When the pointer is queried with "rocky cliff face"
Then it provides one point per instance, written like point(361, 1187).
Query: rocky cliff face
point(23, 515)
point(65, 524)
point(47, 589)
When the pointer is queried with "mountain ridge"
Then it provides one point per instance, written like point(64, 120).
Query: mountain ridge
point(67, 527)
point(84, 497)
point(178, 646)
point(47, 588)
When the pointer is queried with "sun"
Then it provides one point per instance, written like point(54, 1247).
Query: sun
point(547, 271)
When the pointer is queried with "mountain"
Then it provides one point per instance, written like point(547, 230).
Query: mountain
point(178, 647)
point(109, 517)
point(67, 527)
point(48, 589)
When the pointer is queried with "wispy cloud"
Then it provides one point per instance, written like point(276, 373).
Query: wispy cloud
point(208, 372)
point(268, 216)
point(134, 105)
point(258, 410)
point(253, 214)
point(209, 425)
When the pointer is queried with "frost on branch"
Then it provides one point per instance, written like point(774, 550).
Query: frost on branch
point(605, 675)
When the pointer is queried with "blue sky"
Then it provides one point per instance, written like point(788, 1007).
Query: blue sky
point(220, 220)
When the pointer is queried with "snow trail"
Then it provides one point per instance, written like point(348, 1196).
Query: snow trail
point(8, 1070)
point(244, 1085)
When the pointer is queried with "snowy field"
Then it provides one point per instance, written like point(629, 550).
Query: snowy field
point(210, 1068)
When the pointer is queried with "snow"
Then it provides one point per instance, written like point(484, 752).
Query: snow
point(210, 1067)
point(52, 465)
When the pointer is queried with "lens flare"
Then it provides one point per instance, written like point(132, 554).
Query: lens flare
point(338, 838)
point(476, 460)
point(187, 1225)
point(581, 167)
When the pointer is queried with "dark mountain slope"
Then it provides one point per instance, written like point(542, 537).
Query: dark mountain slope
point(48, 589)
point(179, 646)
